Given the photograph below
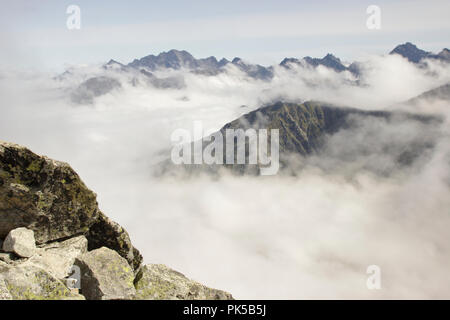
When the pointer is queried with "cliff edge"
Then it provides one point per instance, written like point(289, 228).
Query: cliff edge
point(55, 243)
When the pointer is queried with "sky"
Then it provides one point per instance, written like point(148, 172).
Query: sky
point(34, 34)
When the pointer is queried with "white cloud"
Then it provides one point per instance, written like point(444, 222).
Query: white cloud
point(310, 236)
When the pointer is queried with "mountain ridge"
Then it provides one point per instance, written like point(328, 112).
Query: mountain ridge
point(177, 59)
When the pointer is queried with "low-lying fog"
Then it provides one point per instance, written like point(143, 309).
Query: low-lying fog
point(309, 236)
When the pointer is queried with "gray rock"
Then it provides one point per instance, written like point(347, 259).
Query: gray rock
point(9, 257)
point(159, 282)
point(4, 293)
point(58, 257)
point(43, 195)
point(107, 233)
point(105, 275)
point(20, 241)
point(33, 283)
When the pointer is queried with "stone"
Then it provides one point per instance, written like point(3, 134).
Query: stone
point(21, 242)
point(9, 257)
point(58, 258)
point(4, 293)
point(33, 283)
point(159, 282)
point(107, 233)
point(44, 195)
point(48, 197)
point(105, 275)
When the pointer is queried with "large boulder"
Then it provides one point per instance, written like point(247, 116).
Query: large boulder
point(105, 275)
point(33, 283)
point(44, 195)
point(159, 282)
point(21, 242)
point(107, 233)
point(57, 258)
point(48, 197)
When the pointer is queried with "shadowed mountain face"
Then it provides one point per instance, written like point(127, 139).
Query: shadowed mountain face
point(301, 126)
point(176, 60)
point(94, 87)
point(253, 70)
point(304, 127)
point(329, 61)
point(439, 93)
point(331, 138)
point(416, 55)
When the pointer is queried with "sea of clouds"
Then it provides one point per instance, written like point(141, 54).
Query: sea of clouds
point(306, 236)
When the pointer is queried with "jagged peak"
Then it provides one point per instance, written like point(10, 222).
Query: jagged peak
point(112, 61)
point(289, 60)
point(330, 56)
point(237, 60)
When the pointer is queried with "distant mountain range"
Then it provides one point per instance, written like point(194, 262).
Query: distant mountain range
point(329, 61)
point(177, 60)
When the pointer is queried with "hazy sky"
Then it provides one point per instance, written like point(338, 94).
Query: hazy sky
point(34, 33)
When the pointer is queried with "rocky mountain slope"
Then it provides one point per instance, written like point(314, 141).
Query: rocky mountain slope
point(329, 61)
point(439, 93)
point(330, 135)
point(315, 128)
point(51, 226)
point(416, 55)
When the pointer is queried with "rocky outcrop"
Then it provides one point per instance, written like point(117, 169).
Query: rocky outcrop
point(105, 232)
point(21, 242)
point(105, 275)
point(158, 282)
point(30, 282)
point(43, 195)
point(58, 257)
point(58, 241)
point(48, 197)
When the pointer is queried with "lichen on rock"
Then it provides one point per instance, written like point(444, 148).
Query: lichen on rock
point(33, 283)
point(58, 257)
point(107, 233)
point(105, 275)
point(159, 282)
point(33, 196)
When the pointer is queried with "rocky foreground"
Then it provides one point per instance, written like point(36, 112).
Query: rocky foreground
point(55, 243)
